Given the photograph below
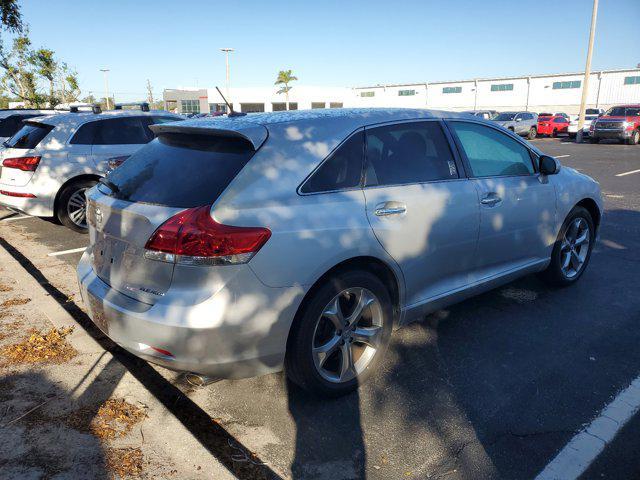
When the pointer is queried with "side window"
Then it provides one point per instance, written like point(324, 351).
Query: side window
point(491, 153)
point(408, 153)
point(559, 120)
point(340, 171)
point(121, 131)
point(147, 121)
point(527, 116)
point(85, 134)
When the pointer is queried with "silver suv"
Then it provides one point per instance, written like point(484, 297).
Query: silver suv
point(238, 246)
point(524, 124)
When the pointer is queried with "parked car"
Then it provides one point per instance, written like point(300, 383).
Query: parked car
point(11, 120)
point(50, 162)
point(239, 246)
point(572, 129)
point(486, 114)
point(621, 122)
point(552, 125)
point(521, 123)
point(557, 114)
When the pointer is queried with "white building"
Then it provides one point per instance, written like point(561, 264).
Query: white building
point(537, 93)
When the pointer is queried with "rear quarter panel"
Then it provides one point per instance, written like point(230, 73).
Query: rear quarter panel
point(572, 187)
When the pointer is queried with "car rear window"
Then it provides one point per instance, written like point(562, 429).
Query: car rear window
point(29, 136)
point(11, 124)
point(182, 171)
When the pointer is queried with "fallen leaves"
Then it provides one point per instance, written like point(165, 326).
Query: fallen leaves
point(5, 288)
point(125, 462)
point(41, 347)
point(115, 418)
point(14, 302)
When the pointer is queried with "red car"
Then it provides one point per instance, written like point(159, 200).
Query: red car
point(621, 122)
point(552, 125)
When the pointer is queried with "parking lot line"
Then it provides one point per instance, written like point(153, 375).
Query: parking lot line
point(65, 252)
point(628, 173)
point(11, 219)
point(574, 459)
point(562, 156)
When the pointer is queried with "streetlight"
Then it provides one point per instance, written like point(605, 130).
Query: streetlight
point(106, 85)
point(587, 71)
point(227, 51)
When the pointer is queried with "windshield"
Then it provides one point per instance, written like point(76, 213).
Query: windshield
point(29, 136)
point(505, 116)
point(180, 170)
point(623, 112)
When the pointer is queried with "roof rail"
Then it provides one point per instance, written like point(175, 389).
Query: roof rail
point(144, 106)
point(95, 108)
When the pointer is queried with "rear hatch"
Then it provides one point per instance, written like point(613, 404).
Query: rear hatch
point(22, 145)
point(172, 173)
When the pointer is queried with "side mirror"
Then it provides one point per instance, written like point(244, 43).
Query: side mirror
point(518, 119)
point(548, 165)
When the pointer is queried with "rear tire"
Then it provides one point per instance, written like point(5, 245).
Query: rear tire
point(318, 329)
point(554, 134)
point(572, 249)
point(72, 205)
point(634, 139)
point(533, 132)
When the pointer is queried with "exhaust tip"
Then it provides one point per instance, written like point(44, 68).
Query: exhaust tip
point(197, 380)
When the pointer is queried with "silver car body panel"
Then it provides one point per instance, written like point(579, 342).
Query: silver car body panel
point(234, 320)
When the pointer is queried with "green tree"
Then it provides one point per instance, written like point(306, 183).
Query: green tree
point(285, 77)
point(10, 15)
point(46, 66)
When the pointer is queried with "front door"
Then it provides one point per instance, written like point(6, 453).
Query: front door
point(421, 208)
point(517, 205)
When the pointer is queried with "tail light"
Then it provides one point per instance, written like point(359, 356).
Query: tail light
point(26, 164)
point(17, 194)
point(192, 237)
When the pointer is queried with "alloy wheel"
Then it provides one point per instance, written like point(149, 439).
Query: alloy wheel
point(348, 335)
point(575, 247)
point(77, 208)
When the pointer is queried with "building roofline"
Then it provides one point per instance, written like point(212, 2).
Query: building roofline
point(489, 79)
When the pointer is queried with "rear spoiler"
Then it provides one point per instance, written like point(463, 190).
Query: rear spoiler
point(253, 133)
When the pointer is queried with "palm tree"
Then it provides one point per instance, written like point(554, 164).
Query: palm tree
point(284, 78)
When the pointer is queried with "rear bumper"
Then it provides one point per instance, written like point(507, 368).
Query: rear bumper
point(239, 331)
point(36, 206)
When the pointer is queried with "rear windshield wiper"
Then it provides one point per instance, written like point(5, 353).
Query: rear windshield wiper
point(109, 184)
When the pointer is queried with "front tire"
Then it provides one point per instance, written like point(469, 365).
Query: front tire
point(572, 250)
point(340, 335)
point(533, 132)
point(594, 140)
point(634, 139)
point(71, 209)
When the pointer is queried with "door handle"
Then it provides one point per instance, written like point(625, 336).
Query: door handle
point(491, 199)
point(390, 208)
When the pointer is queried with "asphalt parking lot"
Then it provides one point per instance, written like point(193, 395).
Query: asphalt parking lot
point(493, 387)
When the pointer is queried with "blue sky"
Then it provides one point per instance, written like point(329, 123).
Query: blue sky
point(327, 42)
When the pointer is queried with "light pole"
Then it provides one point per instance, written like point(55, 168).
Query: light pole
point(106, 85)
point(587, 70)
point(227, 51)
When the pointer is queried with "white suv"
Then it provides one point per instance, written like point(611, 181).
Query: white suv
point(50, 162)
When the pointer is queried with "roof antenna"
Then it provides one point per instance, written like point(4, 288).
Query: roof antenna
point(231, 112)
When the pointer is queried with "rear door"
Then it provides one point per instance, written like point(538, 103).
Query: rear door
point(517, 205)
point(118, 137)
point(422, 209)
point(160, 180)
